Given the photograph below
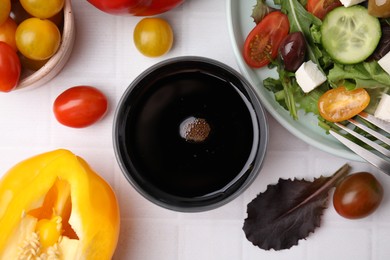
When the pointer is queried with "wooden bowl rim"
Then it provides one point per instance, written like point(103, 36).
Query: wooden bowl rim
point(59, 59)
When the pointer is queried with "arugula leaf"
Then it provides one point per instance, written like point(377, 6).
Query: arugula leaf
point(260, 10)
point(286, 89)
point(308, 102)
point(301, 20)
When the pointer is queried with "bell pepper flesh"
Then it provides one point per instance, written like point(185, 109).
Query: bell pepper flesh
point(55, 204)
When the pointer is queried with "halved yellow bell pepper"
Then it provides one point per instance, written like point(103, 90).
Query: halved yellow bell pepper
point(54, 206)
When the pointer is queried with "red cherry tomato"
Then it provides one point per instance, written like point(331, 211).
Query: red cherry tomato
point(7, 33)
point(135, 7)
point(320, 8)
point(10, 68)
point(262, 43)
point(80, 106)
point(358, 195)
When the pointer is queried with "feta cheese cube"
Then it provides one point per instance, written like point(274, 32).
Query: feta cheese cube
point(348, 3)
point(383, 109)
point(384, 62)
point(309, 76)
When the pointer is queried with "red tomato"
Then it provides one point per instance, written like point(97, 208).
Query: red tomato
point(135, 7)
point(10, 68)
point(262, 43)
point(320, 8)
point(358, 195)
point(80, 106)
point(7, 33)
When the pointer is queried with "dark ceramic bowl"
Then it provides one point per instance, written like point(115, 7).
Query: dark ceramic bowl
point(190, 134)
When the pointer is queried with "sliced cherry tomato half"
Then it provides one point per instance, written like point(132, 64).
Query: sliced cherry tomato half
point(262, 43)
point(358, 195)
point(340, 104)
point(80, 106)
point(320, 8)
point(10, 68)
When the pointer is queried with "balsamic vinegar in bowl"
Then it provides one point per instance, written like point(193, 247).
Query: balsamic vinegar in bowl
point(190, 134)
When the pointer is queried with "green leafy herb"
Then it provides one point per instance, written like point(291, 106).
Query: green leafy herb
point(260, 10)
point(301, 20)
point(365, 74)
point(289, 211)
point(368, 75)
point(286, 89)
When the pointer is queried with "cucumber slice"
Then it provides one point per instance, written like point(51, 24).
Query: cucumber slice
point(350, 34)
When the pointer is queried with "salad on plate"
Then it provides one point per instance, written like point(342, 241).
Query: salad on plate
point(332, 56)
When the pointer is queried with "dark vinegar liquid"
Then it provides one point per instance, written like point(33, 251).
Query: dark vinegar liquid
point(179, 166)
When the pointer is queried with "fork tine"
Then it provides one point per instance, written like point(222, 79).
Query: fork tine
point(369, 156)
point(374, 145)
point(370, 131)
point(376, 121)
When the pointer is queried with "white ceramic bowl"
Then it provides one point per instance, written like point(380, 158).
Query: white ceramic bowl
point(58, 60)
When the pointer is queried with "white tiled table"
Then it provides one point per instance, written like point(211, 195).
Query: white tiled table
point(105, 56)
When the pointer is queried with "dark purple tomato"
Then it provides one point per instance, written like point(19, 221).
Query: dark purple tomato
point(358, 195)
point(292, 51)
point(384, 44)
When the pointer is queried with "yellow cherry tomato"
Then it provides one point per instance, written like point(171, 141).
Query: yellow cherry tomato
point(38, 39)
point(153, 37)
point(19, 14)
point(340, 104)
point(42, 8)
point(379, 8)
point(7, 32)
point(5, 9)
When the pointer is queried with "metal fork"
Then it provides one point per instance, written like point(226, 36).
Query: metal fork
point(378, 155)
